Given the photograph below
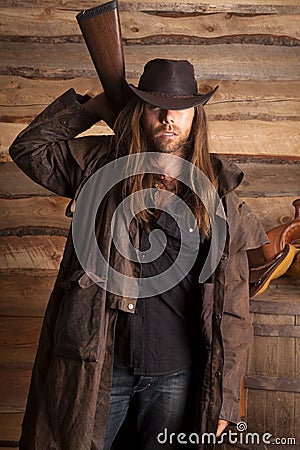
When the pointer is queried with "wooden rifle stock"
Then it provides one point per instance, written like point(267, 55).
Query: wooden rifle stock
point(101, 30)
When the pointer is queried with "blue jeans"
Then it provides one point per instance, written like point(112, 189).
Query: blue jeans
point(160, 405)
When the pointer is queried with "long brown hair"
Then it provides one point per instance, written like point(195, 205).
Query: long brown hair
point(130, 139)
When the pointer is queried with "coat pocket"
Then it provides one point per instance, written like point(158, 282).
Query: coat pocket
point(77, 326)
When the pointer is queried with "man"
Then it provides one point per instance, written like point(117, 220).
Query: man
point(166, 363)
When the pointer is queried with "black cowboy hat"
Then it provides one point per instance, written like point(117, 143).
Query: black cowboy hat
point(170, 84)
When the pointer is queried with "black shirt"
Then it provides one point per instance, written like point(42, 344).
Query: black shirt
point(157, 338)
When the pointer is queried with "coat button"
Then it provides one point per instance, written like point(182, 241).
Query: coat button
point(130, 306)
point(218, 316)
point(218, 373)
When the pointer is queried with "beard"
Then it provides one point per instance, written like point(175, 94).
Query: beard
point(160, 144)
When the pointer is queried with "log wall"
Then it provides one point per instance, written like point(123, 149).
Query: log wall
point(251, 49)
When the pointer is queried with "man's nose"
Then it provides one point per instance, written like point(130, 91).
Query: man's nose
point(167, 116)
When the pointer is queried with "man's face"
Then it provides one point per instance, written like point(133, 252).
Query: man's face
point(167, 130)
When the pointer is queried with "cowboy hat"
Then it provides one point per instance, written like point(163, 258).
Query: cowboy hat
point(170, 84)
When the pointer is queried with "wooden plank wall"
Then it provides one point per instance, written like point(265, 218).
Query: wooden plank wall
point(249, 48)
point(273, 377)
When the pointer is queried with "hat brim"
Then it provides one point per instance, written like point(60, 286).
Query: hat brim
point(168, 101)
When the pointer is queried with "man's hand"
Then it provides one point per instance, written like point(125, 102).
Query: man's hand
point(222, 424)
point(100, 106)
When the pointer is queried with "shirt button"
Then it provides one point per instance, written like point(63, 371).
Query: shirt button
point(130, 306)
point(224, 256)
point(218, 316)
point(218, 373)
point(191, 230)
point(143, 255)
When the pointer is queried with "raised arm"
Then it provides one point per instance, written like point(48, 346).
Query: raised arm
point(47, 150)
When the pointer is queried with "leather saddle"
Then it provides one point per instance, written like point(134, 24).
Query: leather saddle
point(283, 234)
point(282, 255)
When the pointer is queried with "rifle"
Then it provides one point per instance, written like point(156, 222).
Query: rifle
point(101, 30)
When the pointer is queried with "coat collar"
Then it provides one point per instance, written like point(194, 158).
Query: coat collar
point(229, 174)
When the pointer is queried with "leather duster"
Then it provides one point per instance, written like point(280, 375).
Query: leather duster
point(72, 373)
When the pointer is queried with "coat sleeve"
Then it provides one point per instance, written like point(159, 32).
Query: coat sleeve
point(47, 151)
point(246, 233)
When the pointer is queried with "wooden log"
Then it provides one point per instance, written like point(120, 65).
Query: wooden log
point(203, 3)
point(208, 28)
point(260, 180)
point(228, 110)
point(9, 131)
point(14, 183)
point(31, 252)
point(9, 445)
point(271, 214)
point(240, 100)
point(57, 26)
point(25, 292)
point(10, 426)
point(278, 331)
point(14, 384)
point(19, 338)
point(252, 6)
point(24, 298)
point(40, 21)
point(272, 383)
point(22, 92)
point(44, 212)
point(252, 137)
point(49, 211)
point(231, 113)
point(286, 293)
point(38, 93)
point(276, 300)
point(255, 137)
point(251, 62)
point(20, 332)
point(255, 184)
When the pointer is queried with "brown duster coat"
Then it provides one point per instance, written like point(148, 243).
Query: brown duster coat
point(73, 367)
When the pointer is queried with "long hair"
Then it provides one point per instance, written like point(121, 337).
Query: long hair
point(130, 139)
